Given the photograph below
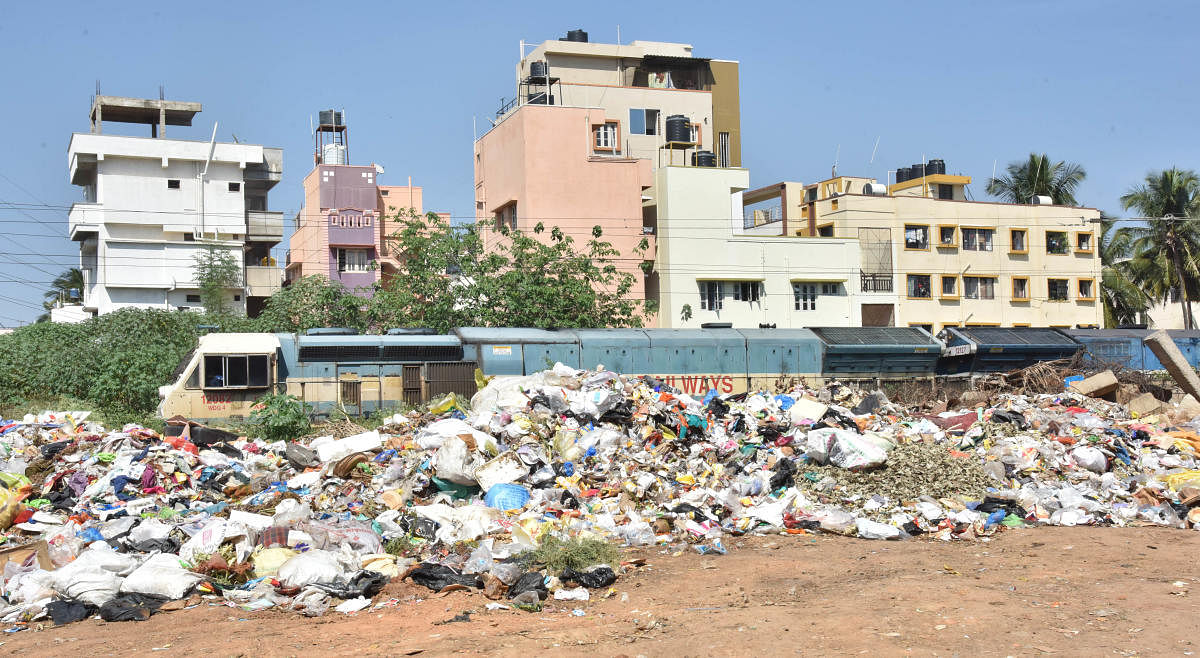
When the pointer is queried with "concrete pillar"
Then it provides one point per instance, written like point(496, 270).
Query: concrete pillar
point(1173, 360)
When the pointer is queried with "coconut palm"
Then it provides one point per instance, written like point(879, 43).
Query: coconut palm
point(63, 284)
point(1124, 301)
point(1038, 176)
point(1166, 249)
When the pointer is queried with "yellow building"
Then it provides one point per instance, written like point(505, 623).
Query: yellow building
point(951, 261)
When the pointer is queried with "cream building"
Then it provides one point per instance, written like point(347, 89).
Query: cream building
point(711, 269)
point(950, 261)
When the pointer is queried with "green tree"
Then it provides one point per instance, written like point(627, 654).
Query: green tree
point(1166, 249)
point(216, 271)
point(313, 301)
point(447, 278)
point(1038, 176)
point(63, 284)
point(1124, 302)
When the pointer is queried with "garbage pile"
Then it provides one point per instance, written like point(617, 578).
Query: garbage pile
point(522, 493)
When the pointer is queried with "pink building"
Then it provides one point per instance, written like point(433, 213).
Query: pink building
point(342, 229)
point(539, 165)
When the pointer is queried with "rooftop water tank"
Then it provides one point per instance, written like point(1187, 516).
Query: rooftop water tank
point(877, 189)
point(539, 69)
point(578, 36)
point(330, 118)
point(918, 170)
point(935, 167)
point(1042, 201)
point(679, 129)
point(903, 174)
point(333, 154)
point(704, 159)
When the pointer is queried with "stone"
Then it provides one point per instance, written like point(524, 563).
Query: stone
point(1174, 361)
point(1144, 405)
point(1098, 385)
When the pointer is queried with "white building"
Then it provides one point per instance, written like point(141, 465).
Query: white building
point(710, 268)
point(151, 204)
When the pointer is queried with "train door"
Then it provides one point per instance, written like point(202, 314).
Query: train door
point(413, 392)
point(359, 392)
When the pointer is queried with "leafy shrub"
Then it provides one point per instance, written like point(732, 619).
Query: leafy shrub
point(279, 417)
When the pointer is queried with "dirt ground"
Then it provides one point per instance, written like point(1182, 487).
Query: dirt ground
point(1069, 591)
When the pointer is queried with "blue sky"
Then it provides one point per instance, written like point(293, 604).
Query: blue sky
point(1111, 85)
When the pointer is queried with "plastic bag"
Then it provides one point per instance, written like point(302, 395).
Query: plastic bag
point(161, 575)
point(533, 582)
point(437, 577)
point(1093, 459)
point(506, 496)
point(844, 449)
point(363, 584)
point(456, 462)
point(308, 568)
point(599, 576)
point(868, 529)
point(130, 607)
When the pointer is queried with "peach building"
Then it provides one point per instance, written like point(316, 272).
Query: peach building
point(343, 227)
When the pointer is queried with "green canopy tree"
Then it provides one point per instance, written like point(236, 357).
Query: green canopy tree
point(216, 270)
point(1166, 249)
point(1038, 176)
point(312, 301)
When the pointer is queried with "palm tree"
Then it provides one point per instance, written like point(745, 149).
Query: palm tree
point(62, 284)
point(1038, 176)
point(1124, 302)
point(1167, 249)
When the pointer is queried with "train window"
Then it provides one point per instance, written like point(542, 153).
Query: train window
point(237, 371)
point(193, 380)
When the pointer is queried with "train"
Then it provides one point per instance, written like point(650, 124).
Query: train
point(333, 369)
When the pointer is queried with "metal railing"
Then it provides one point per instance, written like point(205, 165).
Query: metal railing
point(875, 282)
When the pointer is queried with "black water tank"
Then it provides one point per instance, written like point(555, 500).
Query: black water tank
point(920, 169)
point(704, 159)
point(538, 69)
point(325, 117)
point(903, 174)
point(578, 36)
point(679, 129)
point(935, 167)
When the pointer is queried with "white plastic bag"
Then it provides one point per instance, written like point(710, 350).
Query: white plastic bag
point(309, 568)
point(868, 529)
point(208, 540)
point(95, 576)
point(161, 575)
point(1090, 458)
point(844, 449)
point(456, 462)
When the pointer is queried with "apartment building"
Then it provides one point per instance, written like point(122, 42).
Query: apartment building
point(712, 268)
point(342, 230)
point(578, 145)
point(950, 260)
point(151, 204)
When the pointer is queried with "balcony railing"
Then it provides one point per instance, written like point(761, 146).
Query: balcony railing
point(264, 225)
point(876, 282)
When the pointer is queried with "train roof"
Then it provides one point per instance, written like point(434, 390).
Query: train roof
point(517, 335)
point(1012, 337)
point(876, 336)
point(239, 343)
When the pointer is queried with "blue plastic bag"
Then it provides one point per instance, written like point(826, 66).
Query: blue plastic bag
point(506, 496)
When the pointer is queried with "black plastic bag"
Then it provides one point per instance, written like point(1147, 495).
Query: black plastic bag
point(601, 576)
point(1007, 416)
point(131, 607)
point(532, 581)
point(68, 611)
point(869, 405)
point(164, 545)
point(784, 474)
point(438, 577)
point(364, 583)
point(52, 449)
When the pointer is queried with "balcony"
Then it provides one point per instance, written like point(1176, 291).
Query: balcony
point(876, 282)
point(84, 220)
point(263, 226)
point(263, 280)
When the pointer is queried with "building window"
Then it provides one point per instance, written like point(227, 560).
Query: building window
point(950, 286)
point(1056, 242)
point(825, 231)
point(383, 192)
point(979, 287)
point(172, 183)
point(723, 150)
point(918, 286)
point(977, 239)
point(696, 135)
point(711, 296)
point(916, 237)
point(1058, 289)
point(506, 217)
point(193, 299)
point(921, 325)
point(1087, 289)
point(605, 137)
point(831, 289)
point(1083, 243)
point(189, 237)
point(237, 298)
point(947, 235)
point(235, 187)
point(353, 260)
point(804, 296)
point(746, 291)
point(946, 192)
point(1018, 246)
point(1020, 289)
point(643, 122)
